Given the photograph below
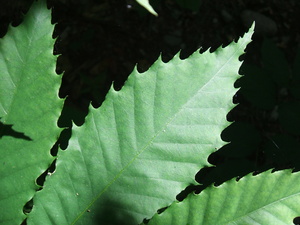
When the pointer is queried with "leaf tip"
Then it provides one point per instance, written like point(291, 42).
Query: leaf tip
point(146, 5)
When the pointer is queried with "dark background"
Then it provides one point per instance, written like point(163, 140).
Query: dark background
point(100, 42)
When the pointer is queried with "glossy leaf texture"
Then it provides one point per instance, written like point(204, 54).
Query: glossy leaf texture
point(29, 102)
point(145, 143)
point(267, 198)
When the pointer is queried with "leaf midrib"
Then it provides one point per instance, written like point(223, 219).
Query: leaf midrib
point(155, 136)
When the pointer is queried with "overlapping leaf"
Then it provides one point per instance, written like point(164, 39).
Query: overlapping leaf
point(28, 101)
point(267, 198)
point(144, 144)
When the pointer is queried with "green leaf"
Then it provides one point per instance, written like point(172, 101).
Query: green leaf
point(28, 101)
point(267, 198)
point(144, 144)
point(146, 5)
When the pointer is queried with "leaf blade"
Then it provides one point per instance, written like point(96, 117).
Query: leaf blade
point(137, 151)
point(267, 198)
point(29, 101)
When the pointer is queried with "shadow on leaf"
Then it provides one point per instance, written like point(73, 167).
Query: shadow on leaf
point(7, 130)
point(110, 213)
